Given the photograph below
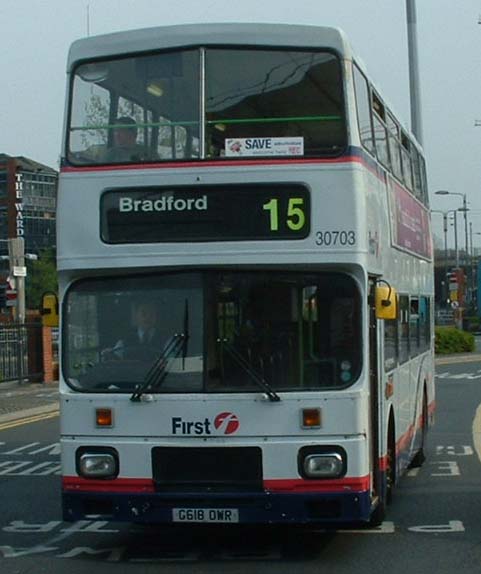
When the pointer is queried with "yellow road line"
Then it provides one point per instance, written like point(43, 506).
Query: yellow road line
point(457, 360)
point(28, 420)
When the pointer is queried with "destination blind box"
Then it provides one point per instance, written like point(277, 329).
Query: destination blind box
point(205, 213)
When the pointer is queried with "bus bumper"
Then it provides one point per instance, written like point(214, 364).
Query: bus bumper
point(252, 508)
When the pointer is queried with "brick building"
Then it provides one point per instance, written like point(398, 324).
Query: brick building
point(28, 197)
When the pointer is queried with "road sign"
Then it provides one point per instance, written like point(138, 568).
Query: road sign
point(20, 271)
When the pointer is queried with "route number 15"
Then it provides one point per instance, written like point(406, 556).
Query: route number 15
point(295, 216)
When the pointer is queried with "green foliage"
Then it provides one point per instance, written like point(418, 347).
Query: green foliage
point(41, 277)
point(452, 340)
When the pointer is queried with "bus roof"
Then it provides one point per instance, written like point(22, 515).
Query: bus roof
point(230, 34)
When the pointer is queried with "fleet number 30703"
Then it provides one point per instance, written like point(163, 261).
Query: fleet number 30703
point(336, 237)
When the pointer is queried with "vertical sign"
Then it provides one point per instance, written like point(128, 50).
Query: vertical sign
point(19, 204)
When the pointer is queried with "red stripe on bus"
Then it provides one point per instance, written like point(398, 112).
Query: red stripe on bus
point(383, 464)
point(360, 484)
point(405, 439)
point(343, 159)
point(119, 485)
point(143, 485)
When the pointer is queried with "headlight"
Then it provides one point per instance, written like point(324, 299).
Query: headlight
point(97, 464)
point(323, 465)
point(322, 462)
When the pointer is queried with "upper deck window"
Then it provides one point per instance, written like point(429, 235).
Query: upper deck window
point(207, 104)
point(134, 110)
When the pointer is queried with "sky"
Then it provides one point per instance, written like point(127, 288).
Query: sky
point(36, 35)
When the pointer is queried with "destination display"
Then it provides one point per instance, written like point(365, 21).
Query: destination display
point(205, 213)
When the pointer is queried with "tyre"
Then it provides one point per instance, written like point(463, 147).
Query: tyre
point(420, 456)
point(379, 513)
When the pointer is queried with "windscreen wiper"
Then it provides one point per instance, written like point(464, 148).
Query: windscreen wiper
point(160, 368)
point(248, 368)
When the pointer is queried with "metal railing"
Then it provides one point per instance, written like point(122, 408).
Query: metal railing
point(444, 317)
point(20, 352)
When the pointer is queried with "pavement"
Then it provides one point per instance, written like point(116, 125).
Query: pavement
point(30, 400)
point(27, 401)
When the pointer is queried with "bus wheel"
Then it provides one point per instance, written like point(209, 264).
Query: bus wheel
point(379, 513)
point(390, 465)
point(420, 456)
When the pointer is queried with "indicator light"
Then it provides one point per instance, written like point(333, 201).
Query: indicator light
point(311, 418)
point(103, 417)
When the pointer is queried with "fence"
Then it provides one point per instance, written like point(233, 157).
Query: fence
point(445, 317)
point(21, 352)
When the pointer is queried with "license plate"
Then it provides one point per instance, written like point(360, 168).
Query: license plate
point(219, 515)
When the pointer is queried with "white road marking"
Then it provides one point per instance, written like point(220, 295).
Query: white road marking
point(452, 450)
point(476, 429)
point(452, 526)
point(449, 467)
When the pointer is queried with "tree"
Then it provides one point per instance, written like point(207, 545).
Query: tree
point(41, 277)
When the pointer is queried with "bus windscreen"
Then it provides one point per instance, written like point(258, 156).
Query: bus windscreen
point(213, 332)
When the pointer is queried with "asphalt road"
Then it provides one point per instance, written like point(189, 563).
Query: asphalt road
point(434, 523)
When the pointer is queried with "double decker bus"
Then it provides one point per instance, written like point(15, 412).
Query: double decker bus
point(243, 194)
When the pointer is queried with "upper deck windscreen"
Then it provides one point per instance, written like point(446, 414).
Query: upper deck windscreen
point(207, 104)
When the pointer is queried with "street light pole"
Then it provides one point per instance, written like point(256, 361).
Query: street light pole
point(476, 286)
point(446, 267)
point(16, 251)
point(456, 252)
point(465, 210)
point(414, 83)
point(445, 231)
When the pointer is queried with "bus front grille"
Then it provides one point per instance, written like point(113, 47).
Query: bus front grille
point(207, 469)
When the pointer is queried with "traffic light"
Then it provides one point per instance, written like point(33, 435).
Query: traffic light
point(3, 294)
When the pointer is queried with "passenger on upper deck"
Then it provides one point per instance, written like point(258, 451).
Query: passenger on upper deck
point(125, 146)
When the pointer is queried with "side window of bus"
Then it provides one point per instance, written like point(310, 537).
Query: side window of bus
point(424, 181)
point(403, 324)
point(414, 327)
point(364, 117)
point(380, 131)
point(424, 323)
point(390, 344)
point(417, 178)
point(394, 146)
point(406, 161)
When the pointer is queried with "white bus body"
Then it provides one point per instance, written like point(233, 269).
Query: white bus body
point(308, 415)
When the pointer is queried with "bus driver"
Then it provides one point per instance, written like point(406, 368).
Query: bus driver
point(143, 341)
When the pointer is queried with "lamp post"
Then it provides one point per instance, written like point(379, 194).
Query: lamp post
point(476, 288)
point(18, 271)
point(455, 221)
point(465, 210)
point(414, 83)
point(445, 232)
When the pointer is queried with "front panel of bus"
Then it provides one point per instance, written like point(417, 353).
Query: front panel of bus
point(213, 258)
